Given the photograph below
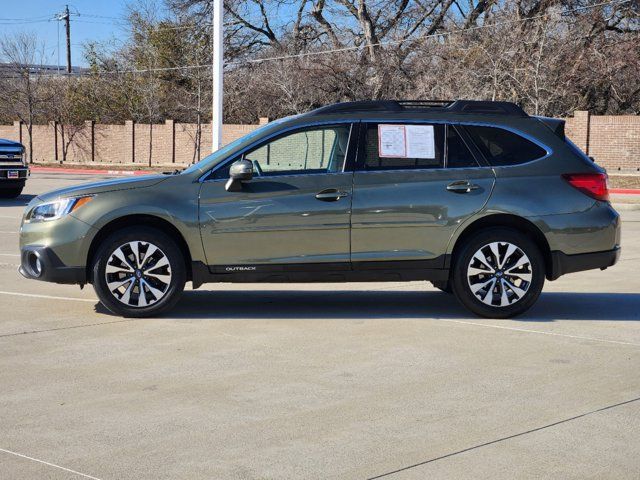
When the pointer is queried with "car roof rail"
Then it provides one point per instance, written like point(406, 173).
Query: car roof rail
point(397, 106)
point(487, 107)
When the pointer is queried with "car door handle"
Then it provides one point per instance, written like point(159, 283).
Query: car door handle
point(462, 186)
point(330, 195)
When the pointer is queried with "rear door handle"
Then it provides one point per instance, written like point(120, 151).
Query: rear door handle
point(330, 195)
point(462, 186)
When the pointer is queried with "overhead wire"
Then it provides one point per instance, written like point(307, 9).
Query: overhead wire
point(342, 49)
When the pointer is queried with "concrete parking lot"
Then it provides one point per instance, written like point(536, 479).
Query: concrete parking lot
point(355, 381)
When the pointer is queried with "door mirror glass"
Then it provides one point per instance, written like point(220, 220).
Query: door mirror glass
point(240, 171)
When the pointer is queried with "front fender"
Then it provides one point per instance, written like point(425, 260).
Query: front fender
point(175, 202)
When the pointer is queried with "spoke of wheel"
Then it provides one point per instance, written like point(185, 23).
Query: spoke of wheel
point(114, 269)
point(163, 262)
point(480, 256)
point(119, 254)
point(478, 271)
point(479, 286)
point(510, 250)
point(150, 251)
point(165, 278)
point(518, 291)
point(524, 275)
point(135, 247)
point(521, 261)
point(126, 297)
point(113, 286)
point(504, 298)
point(496, 253)
point(488, 296)
point(156, 293)
point(142, 298)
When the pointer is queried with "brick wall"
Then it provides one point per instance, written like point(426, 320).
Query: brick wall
point(614, 141)
point(172, 143)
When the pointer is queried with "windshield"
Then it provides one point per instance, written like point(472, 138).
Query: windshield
point(220, 155)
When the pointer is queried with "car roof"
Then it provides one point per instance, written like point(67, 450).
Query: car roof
point(460, 111)
point(422, 106)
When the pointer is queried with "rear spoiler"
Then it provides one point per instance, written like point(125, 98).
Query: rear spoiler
point(556, 125)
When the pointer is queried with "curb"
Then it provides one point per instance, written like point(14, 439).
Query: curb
point(625, 191)
point(88, 171)
point(626, 206)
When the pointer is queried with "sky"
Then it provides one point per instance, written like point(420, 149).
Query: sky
point(98, 21)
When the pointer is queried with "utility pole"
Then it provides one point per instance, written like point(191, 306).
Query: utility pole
point(218, 63)
point(66, 16)
point(68, 30)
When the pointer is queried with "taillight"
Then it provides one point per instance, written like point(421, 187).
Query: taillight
point(596, 185)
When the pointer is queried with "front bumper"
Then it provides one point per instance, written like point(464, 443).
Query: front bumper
point(561, 263)
point(41, 263)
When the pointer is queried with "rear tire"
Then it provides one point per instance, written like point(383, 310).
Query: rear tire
point(498, 273)
point(138, 272)
point(11, 192)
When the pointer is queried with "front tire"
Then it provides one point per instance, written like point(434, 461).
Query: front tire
point(139, 272)
point(498, 273)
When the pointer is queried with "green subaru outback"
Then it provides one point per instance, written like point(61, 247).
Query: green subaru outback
point(479, 198)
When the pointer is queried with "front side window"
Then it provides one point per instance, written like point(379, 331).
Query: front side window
point(309, 151)
point(403, 147)
point(502, 147)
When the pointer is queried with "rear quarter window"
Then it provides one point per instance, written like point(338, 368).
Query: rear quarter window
point(502, 147)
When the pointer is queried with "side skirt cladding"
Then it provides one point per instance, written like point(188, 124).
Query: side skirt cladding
point(384, 271)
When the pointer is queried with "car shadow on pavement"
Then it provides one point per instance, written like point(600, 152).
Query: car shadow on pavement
point(375, 304)
point(20, 201)
point(584, 306)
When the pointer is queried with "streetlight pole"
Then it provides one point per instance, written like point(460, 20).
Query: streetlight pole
point(218, 63)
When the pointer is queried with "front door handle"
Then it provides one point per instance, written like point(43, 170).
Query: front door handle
point(330, 195)
point(462, 186)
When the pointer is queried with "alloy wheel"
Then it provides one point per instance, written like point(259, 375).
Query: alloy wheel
point(499, 274)
point(138, 274)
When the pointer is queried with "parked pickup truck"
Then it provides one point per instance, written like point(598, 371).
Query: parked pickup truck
point(13, 168)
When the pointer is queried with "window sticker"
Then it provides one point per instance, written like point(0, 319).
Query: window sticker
point(406, 141)
point(392, 141)
point(420, 141)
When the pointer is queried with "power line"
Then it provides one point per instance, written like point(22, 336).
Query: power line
point(353, 47)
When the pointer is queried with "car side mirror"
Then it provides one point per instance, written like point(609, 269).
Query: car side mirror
point(240, 171)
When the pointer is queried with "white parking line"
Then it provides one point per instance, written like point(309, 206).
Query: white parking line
point(476, 324)
point(8, 232)
point(526, 330)
point(50, 297)
point(48, 463)
point(9, 254)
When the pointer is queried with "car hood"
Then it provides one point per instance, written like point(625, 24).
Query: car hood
point(9, 143)
point(101, 187)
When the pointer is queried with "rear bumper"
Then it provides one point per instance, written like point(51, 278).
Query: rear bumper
point(562, 263)
point(41, 263)
point(8, 172)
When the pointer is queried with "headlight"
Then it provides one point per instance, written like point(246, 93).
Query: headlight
point(57, 209)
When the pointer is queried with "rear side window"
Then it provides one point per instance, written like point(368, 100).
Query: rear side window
point(502, 147)
point(400, 147)
point(458, 155)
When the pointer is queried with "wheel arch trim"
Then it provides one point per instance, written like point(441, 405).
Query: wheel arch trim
point(137, 220)
point(504, 220)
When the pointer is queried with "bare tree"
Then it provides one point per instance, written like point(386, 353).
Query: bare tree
point(22, 90)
